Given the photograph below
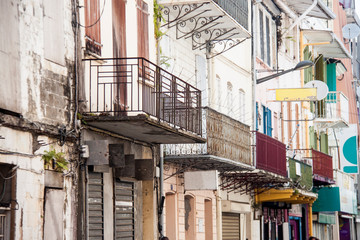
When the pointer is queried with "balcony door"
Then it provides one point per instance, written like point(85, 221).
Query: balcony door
point(119, 52)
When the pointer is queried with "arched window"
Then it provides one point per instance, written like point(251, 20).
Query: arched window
point(241, 105)
point(229, 99)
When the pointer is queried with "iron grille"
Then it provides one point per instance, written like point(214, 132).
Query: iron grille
point(238, 9)
point(95, 206)
point(124, 210)
point(131, 86)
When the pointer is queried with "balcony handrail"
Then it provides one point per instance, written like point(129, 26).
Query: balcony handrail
point(121, 86)
point(142, 58)
point(334, 106)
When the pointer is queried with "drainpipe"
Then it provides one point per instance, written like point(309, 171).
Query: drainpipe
point(161, 186)
point(297, 19)
point(254, 53)
point(161, 160)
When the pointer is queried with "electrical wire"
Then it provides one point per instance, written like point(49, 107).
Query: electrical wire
point(91, 25)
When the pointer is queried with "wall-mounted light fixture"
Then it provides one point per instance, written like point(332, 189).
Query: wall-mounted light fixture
point(301, 65)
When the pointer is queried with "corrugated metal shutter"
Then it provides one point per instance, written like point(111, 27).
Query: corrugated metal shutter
point(124, 210)
point(95, 206)
point(230, 226)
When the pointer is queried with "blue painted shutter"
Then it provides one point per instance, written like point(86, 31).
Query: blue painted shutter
point(269, 128)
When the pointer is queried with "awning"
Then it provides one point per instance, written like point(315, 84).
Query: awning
point(334, 49)
point(287, 195)
point(319, 11)
point(208, 22)
point(251, 182)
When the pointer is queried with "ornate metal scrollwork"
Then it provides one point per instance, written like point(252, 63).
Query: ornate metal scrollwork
point(206, 32)
point(181, 11)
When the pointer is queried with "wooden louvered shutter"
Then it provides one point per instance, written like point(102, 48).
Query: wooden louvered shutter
point(95, 206)
point(92, 22)
point(143, 29)
point(230, 226)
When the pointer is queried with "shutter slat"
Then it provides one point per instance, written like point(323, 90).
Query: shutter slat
point(230, 226)
point(95, 205)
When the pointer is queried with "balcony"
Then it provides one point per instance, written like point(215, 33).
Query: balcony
point(301, 174)
point(207, 24)
point(137, 99)
point(270, 154)
point(322, 168)
point(227, 145)
point(333, 111)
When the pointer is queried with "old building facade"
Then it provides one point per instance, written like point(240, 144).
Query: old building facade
point(138, 119)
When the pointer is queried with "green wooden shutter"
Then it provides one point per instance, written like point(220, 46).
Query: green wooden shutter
point(324, 144)
point(320, 74)
point(308, 75)
point(312, 138)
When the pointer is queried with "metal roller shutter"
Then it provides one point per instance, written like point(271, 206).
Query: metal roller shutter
point(230, 226)
point(124, 210)
point(95, 206)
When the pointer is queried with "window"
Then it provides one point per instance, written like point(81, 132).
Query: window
point(267, 32)
point(276, 126)
point(241, 105)
point(229, 99)
point(267, 36)
point(92, 31)
point(261, 30)
point(7, 200)
point(218, 82)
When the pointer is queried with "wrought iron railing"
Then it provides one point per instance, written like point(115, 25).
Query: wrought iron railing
point(322, 164)
point(334, 106)
point(270, 154)
point(225, 138)
point(131, 86)
point(237, 9)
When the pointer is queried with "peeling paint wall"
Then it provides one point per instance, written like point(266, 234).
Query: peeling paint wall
point(37, 83)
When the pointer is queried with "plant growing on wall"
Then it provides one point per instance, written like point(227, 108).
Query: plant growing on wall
point(158, 20)
point(56, 160)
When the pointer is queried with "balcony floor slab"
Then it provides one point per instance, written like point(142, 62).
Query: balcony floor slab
point(143, 128)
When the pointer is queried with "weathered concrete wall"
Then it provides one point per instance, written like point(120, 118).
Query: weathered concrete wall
point(29, 190)
point(45, 83)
